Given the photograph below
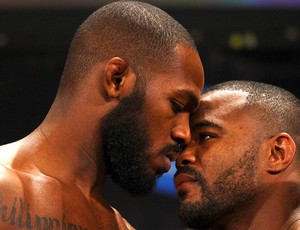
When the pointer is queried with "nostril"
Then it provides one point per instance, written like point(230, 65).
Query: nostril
point(181, 141)
point(185, 162)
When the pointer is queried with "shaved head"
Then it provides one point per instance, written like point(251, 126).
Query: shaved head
point(141, 34)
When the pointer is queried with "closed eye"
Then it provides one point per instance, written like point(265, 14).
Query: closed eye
point(177, 107)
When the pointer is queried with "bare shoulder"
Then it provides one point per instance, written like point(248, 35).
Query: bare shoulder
point(10, 182)
point(7, 152)
point(16, 192)
point(11, 193)
point(33, 199)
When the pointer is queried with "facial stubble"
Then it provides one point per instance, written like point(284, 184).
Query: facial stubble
point(125, 141)
point(234, 190)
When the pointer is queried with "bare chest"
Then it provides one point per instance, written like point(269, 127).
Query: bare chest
point(51, 206)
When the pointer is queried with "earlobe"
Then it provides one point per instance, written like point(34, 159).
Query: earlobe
point(115, 76)
point(282, 152)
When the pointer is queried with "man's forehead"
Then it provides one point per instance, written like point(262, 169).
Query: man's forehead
point(220, 108)
point(228, 97)
point(189, 63)
point(221, 103)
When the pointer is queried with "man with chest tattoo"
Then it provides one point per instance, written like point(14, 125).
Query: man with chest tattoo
point(132, 79)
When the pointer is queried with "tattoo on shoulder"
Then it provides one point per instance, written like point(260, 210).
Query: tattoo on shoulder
point(18, 215)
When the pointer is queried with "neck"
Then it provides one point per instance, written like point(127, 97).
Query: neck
point(63, 151)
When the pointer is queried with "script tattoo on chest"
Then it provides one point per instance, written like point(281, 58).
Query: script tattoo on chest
point(18, 215)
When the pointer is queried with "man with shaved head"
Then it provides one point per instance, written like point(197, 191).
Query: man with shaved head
point(132, 79)
point(241, 169)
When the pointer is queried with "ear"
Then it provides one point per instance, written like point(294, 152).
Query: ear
point(281, 152)
point(117, 73)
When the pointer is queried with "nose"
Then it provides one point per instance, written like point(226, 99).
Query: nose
point(181, 132)
point(186, 157)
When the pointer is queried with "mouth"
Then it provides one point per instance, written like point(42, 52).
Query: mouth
point(172, 156)
point(181, 181)
point(165, 157)
point(166, 165)
point(171, 152)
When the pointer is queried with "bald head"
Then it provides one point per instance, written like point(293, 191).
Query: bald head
point(141, 34)
point(277, 108)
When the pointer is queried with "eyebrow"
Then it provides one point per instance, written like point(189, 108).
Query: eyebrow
point(206, 123)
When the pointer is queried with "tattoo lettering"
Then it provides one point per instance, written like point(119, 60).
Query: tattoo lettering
point(20, 217)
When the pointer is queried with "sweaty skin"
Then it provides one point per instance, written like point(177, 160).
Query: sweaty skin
point(239, 172)
point(53, 178)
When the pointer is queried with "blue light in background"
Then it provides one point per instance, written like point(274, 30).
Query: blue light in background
point(165, 184)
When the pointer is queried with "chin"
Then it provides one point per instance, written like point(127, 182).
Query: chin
point(186, 197)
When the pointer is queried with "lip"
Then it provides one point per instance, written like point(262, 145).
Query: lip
point(167, 164)
point(172, 156)
point(164, 159)
point(183, 180)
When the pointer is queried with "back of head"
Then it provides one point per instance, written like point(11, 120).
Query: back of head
point(141, 34)
point(277, 108)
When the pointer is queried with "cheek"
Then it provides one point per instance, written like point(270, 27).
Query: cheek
point(158, 120)
point(213, 164)
point(159, 132)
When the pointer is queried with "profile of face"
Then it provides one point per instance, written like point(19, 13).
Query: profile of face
point(218, 173)
point(141, 136)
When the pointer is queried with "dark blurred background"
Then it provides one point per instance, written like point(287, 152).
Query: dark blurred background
point(252, 40)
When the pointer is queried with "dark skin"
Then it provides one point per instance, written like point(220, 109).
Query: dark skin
point(243, 192)
point(57, 172)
